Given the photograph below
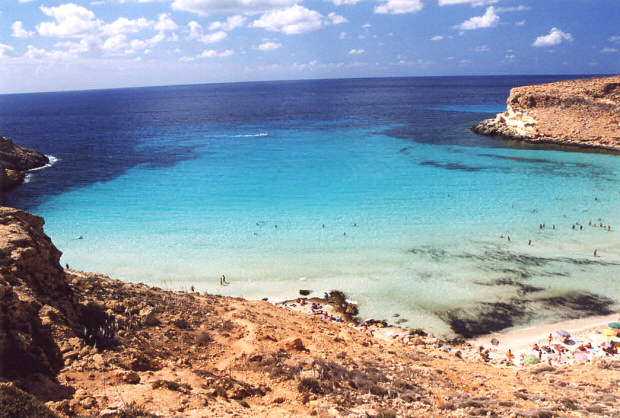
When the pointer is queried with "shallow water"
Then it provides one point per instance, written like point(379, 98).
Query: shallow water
point(373, 187)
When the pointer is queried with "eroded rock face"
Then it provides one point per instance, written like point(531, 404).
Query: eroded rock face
point(585, 113)
point(14, 161)
point(36, 301)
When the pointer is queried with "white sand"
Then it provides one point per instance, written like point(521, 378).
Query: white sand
point(525, 338)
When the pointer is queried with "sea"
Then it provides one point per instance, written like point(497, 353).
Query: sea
point(374, 187)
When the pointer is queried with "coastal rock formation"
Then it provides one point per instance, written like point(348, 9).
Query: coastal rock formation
point(585, 113)
point(15, 161)
point(36, 301)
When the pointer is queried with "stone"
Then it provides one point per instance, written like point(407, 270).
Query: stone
point(148, 316)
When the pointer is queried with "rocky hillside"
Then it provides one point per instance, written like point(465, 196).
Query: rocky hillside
point(88, 345)
point(584, 113)
point(15, 161)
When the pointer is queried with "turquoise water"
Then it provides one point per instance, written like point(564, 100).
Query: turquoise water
point(406, 225)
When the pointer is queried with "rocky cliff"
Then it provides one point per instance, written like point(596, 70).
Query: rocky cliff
point(15, 161)
point(585, 113)
point(37, 306)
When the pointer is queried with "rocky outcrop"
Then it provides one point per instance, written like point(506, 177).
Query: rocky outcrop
point(37, 305)
point(584, 113)
point(15, 161)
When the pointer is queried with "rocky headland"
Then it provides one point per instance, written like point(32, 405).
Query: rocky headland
point(15, 161)
point(82, 344)
point(583, 113)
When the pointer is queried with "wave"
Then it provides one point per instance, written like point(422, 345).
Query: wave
point(52, 160)
point(250, 135)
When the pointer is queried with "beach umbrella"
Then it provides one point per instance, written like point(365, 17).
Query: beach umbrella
point(614, 325)
point(530, 359)
point(563, 333)
point(608, 332)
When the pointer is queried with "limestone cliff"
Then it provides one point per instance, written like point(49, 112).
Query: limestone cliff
point(15, 161)
point(36, 301)
point(584, 113)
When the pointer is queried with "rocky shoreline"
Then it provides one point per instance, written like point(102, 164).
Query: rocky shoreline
point(15, 161)
point(87, 345)
point(582, 113)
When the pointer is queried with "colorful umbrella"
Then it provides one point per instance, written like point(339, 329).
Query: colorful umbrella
point(614, 325)
point(609, 332)
point(563, 333)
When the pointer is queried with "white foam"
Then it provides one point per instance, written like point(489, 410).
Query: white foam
point(52, 160)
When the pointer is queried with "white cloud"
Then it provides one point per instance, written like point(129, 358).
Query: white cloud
point(294, 20)
point(615, 39)
point(555, 37)
point(231, 23)
point(34, 53)
point(520, 23)
point(341, 2)
point(207, 7)
point(66, 11)
point(302, 67)
point(187, 59)
point(84, 45)
point(196, 33)
point(5, 49)
point(336, 19)
point(609, 50)
point(437, 38)
point(356, 51)
point(213, 38)
point(117, 44)
point(512, 9)
point(124, 25)
point(472, 2)
point(195, 30)
point(396, 7)
point(71, 21)
point(482, 48)
point(120, 45)
point(19, 31)
point(164, 23)
point(343, 35)
point(488, 20)
point(211, 53)
point(366, 26)
point(268, 46)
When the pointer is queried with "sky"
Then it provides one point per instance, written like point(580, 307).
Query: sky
point(56, 45)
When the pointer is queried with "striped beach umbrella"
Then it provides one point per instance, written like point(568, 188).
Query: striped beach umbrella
point(563, 333)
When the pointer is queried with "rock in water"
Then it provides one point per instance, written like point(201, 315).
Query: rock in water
point(584, 113)
point(14, 161)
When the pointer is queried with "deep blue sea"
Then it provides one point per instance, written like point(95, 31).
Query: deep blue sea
point(375, 187)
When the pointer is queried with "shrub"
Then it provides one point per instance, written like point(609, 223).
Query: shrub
point(309, 384)
point(203, 338)
point(170, 385)
point(99, 328)
point(15, 403)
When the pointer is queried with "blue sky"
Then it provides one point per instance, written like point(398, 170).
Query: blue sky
point(52, 45)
